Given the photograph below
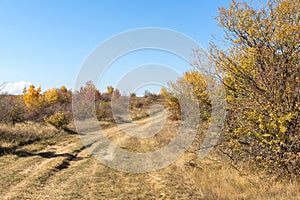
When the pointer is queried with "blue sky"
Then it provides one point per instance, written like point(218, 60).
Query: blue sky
point(45, 42)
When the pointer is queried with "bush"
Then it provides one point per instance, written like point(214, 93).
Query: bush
point(58, 120)
point(260, 68)
point(104, 111)
point(137, 104)
point(12, 110)
point(14, 115)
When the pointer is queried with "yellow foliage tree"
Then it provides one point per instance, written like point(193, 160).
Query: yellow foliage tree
point(261, 69)
point(33, 99)
point(51, 96)
point(197, 84)
point(173, 104)
point(109, 90)
point(63, 89)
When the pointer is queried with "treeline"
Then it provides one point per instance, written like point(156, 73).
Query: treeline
point(36, 106)
point(54, 106)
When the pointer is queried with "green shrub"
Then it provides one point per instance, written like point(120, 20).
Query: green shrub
point(58, 120)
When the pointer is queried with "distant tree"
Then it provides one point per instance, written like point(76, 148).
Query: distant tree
point(147, 93)
point(191, 85)
point(109, 90)
point(132, 95)
point(52, 96)
point(65, 95)
point(33, 100)
point(56, 100)
point(116, 93)
point(85, 101)
point(173, 104)
point(63, 89)
point(163, 91)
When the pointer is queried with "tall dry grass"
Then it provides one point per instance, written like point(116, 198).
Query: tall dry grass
point(216, 178)
point(14, 136)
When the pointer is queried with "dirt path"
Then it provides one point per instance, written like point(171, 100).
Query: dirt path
point(63, 169)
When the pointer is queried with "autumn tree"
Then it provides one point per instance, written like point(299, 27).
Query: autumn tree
point(57, 100)
point(52, 96)
point(61, 95)
point(33, 100)
point(198, 82)
point(173, 104)
point(116, 93)
point(193, 86)
point(109, 90)
point(259, 64)
point(86, 101)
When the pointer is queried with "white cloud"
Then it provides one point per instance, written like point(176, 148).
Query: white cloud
point(15, 88)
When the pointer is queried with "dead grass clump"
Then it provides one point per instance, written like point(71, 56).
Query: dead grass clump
point(23, 134)
point(218, 179)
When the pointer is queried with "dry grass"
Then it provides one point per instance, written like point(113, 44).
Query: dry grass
point(219, 180)
point(14, 136)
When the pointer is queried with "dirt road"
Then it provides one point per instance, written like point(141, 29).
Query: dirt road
point(62, 168)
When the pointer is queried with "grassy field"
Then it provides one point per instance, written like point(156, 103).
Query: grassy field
point(55, 165)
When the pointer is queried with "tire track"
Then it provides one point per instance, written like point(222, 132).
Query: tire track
point(47, 167)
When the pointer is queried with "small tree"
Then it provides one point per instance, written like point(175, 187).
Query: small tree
point(52, 96)
point(197, 88)
point(173, 104)
point(116, 93)
point(84, 101)
point(109, 90)
point(33, 100)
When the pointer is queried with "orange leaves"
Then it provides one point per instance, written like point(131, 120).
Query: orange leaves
point(33, 98)
point(52, 96)
point(35, 101)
